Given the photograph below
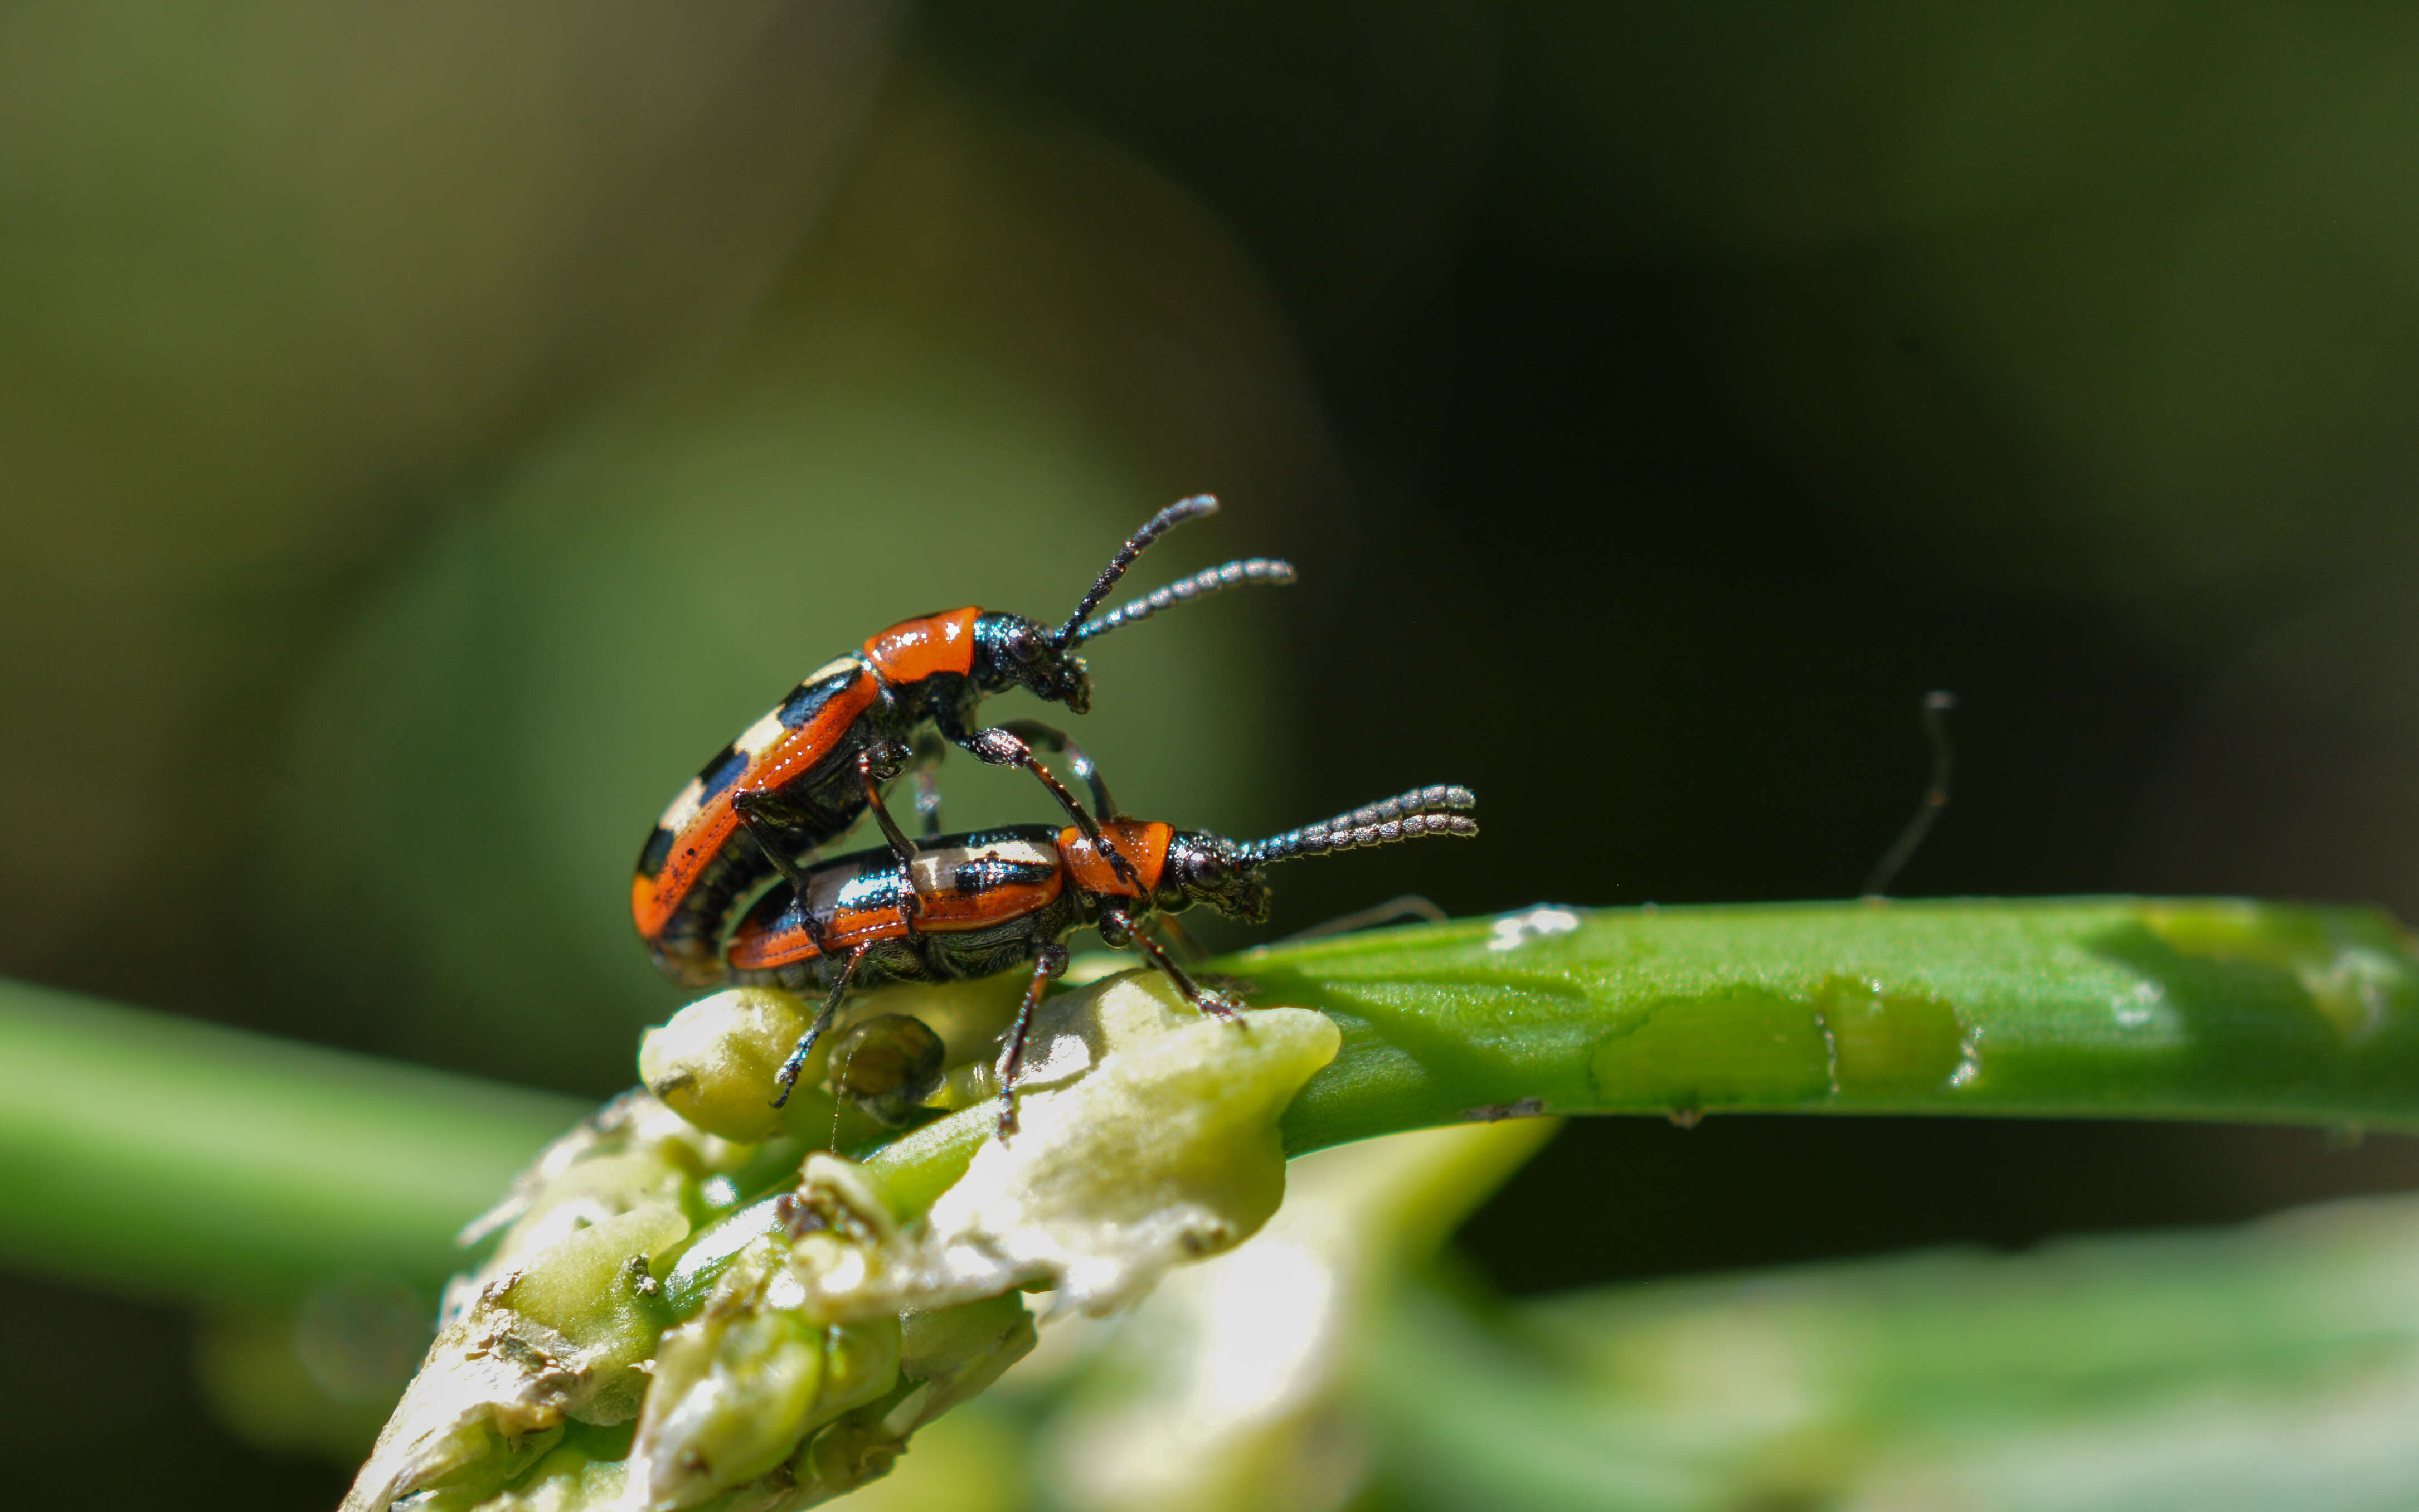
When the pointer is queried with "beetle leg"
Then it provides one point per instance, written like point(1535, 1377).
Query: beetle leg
point(900, 846)
point(930, 748)
point(999, 747)
point(787, 1079)
point(1216, 1003)
point(1002, 747)
point(1050, 738)
point(764, 832)
point(1179, 941)
point(928, 801)
point(1048, 962)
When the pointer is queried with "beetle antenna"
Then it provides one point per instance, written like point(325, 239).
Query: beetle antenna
point(1157, 526)
point(1935, 708)
point(1250, 570)
point(1429, 811)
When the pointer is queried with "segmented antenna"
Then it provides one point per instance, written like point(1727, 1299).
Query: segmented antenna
point(1409, 816)
point(1936, 705)
point(1158, 525)
point(1418, 800)
point(1253, 570)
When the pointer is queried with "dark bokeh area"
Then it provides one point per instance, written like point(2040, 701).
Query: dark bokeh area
point(104, 1389)
point(428, 433)
point(1751, 1190)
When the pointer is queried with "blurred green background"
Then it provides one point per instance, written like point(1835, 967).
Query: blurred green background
point(427, 432)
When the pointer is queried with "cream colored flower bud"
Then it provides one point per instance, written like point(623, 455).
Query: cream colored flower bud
point(715, 1063)
point(740, 1385)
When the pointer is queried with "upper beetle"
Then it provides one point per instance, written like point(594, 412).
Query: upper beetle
point(801, 776)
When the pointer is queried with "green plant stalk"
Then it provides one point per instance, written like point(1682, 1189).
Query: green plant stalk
point(2083, 1008)
point(176, 1158)
point(179, 1160)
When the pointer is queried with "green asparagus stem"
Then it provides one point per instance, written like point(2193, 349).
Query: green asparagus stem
point(179, 1160)
point(2086, 1008)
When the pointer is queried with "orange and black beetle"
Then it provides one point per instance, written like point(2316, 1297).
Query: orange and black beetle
point(800, 777)
point(970, 905)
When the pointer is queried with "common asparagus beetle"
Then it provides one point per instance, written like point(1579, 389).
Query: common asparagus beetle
point(993, 900)
point(797, 778)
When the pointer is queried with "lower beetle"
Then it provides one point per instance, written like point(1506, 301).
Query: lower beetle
point(976, 905)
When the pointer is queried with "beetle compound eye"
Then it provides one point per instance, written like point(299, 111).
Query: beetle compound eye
point(1200, 865)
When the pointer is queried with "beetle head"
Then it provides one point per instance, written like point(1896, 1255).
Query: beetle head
point(1011, 651)
point(1212, 870)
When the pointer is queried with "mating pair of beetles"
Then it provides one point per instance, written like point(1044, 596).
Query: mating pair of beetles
point(953, 907)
